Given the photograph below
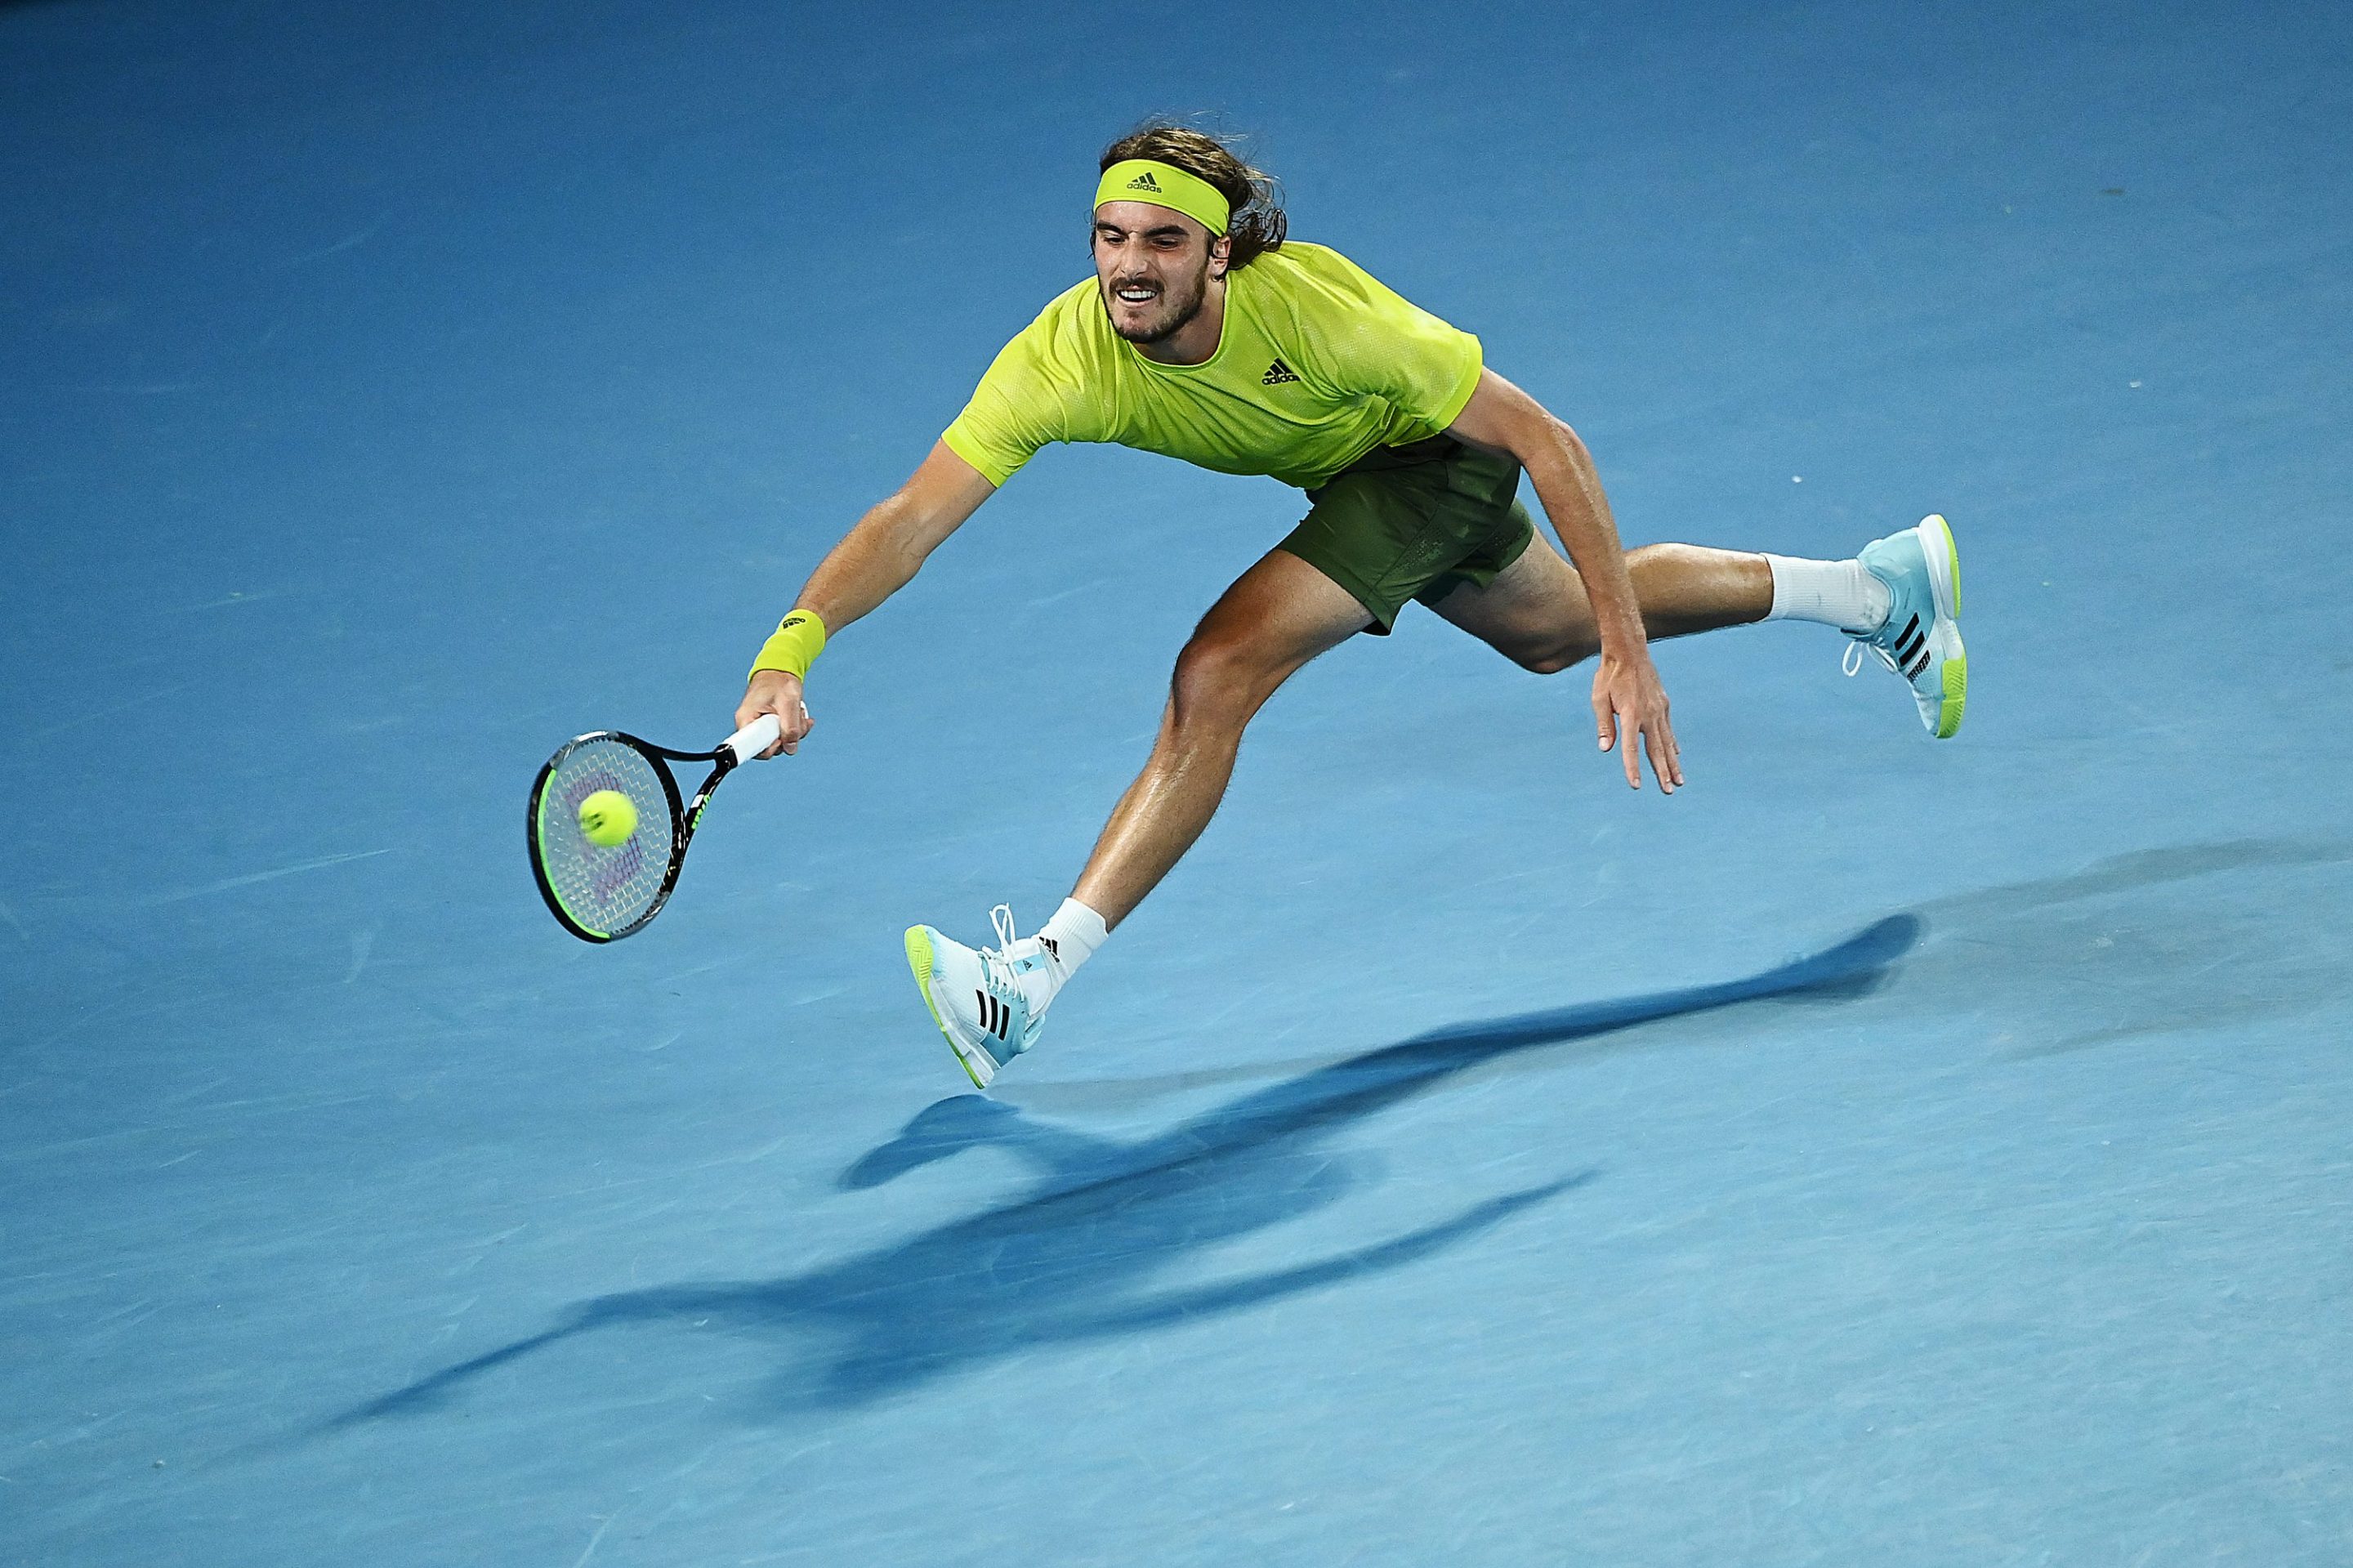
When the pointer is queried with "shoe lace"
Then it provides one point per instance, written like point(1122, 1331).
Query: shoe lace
point(996, 967)
point(1851, 662)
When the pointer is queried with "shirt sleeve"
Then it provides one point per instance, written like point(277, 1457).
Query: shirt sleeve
point(1382, 344)
point(1017, 408)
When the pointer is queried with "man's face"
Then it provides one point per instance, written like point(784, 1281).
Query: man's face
point(1153, 267)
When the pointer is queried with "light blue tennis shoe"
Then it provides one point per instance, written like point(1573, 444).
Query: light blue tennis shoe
point(1921, 638)
point(989, 1001)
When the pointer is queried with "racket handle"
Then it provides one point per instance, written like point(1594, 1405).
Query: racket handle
point(754, 738)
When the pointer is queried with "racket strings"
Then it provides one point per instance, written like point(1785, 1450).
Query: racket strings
point(605, 889)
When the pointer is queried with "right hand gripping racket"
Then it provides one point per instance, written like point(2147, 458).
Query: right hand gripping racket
point(601, 894)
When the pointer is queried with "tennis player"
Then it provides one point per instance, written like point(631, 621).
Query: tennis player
point(1205, 335)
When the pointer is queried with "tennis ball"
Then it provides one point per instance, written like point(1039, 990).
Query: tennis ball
point(608, 818)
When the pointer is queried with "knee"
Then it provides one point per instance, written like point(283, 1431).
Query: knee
point(1218, 681)
point(1551, 657)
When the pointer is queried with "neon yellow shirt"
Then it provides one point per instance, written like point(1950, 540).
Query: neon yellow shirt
point(1317, 364)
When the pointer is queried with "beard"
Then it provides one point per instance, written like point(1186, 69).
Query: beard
point(1179, 304)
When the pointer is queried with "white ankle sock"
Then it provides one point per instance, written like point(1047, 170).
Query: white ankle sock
point(1836, 593)
point(1071, 937)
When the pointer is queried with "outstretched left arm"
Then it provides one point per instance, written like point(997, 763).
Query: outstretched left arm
point(1630, 704)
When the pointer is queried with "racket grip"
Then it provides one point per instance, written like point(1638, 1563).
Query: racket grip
point(754, 738)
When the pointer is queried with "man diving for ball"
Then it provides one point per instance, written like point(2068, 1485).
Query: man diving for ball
point(1207, 336)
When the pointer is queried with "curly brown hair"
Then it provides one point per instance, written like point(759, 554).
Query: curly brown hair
point(1257, 225)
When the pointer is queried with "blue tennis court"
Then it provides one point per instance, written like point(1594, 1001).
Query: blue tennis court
point(1884, 1151)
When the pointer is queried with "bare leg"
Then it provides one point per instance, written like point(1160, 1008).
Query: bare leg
point(1535, 612)
point(1279, 615)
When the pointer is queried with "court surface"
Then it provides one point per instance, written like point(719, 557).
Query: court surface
point(1882, 1152)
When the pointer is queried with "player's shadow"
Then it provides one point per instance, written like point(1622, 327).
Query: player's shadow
point(1077, 1255)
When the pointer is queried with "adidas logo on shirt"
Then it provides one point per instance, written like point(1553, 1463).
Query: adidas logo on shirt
point(1276, 374)
point(1145, 181)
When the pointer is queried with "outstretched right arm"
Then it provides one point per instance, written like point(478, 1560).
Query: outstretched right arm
point(875, 560)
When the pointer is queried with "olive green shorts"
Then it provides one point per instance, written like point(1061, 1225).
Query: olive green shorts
point(1414, 522)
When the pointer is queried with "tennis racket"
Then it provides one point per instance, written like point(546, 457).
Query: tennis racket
point(600, 892)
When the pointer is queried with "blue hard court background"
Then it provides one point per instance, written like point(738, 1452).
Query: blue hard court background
point(1882, 1152)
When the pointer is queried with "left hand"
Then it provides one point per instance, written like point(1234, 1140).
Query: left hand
point(1630, 704)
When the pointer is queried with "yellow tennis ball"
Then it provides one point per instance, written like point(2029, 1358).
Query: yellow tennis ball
point(609, 818)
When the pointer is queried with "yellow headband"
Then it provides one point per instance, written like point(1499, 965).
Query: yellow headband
point(1165, 185)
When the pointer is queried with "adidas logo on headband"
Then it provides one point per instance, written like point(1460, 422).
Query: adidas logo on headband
point(1145, 181)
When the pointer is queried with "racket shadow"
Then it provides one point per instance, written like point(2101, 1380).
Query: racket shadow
point(1080, 1254)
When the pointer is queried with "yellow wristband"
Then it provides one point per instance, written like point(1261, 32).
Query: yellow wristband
point(798, 639)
